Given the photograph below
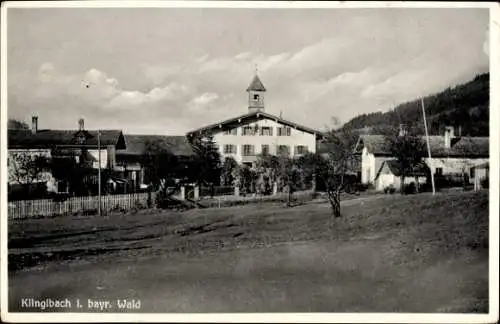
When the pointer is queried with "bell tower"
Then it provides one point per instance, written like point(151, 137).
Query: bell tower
point(256, 92)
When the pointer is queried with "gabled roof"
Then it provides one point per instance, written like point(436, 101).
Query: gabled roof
point(395, 168)
point(48, 138)
point(460, 146)
point(256, 85)
point(484, 165)
point(250, 117)
point(136, 144)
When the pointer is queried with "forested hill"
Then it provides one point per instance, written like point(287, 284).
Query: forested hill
point(465, 106)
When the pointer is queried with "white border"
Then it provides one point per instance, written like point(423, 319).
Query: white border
point(266, 317)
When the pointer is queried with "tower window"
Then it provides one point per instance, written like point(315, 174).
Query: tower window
point(255, 97)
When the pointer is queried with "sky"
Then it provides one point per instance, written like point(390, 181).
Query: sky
point(171, 70)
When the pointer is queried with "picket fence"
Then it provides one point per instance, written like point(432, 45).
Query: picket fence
point(74, 205)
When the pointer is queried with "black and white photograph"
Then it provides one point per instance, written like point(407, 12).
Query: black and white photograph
point(249, 161)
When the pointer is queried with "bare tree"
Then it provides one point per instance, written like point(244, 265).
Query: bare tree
point(335, 167)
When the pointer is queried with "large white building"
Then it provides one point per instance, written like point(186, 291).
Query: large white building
point(246, 136)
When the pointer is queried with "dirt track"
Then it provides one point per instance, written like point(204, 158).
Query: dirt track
point(411, 254)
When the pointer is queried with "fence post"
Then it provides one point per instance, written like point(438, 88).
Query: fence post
point(275, 188)
point(183, 193)
point(196, 192)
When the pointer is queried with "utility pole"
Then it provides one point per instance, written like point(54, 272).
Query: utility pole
point(99, 171)
point(431, 164)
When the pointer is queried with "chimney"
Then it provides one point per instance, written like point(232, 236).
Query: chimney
point(80, 124)
point(402, 130)
point(448, 135)
point(34, 124)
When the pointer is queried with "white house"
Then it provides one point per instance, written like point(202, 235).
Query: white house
point(450, 154)
point(246, 136)
point(389, 175)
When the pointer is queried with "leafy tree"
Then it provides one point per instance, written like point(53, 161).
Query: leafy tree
point(247, 179)
point(409, 151)
point(27, 169)
point(336, 167)
point(17, 124)
point(208, 160)
point(159, 164)
point(228, 171)
point(282, 170)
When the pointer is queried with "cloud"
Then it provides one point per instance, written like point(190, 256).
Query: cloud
point(341, 73)
point(205, 98)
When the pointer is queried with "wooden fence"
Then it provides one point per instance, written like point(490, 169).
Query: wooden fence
point(74, 205)
point(218, 191)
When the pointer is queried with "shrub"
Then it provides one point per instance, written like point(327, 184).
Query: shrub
point(410, 188)
point(390, 189)
point(485, 183)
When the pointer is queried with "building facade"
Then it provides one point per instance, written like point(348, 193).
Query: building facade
point(80, 147)
point(245, 137)
point(450, 154)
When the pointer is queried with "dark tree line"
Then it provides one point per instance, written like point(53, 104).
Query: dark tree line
point(465, 106)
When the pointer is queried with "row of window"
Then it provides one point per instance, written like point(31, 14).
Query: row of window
point(262, 131)
point(249, 150)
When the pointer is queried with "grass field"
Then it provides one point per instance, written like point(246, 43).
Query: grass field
point(418, 253)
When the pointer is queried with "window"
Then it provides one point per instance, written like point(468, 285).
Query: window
point(229, 149)
point(283, 150)
point(439, 171)
point(233, 131)
point(300, 149)
point(265, 149)
point(248, 150)
point(266, 131)
point(248, 130)
point(284, 131)
point(255, 97)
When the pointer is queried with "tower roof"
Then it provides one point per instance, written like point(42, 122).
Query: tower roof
point(256, 85)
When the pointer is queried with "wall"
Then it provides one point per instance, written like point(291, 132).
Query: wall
point(370, 164)
point(104, 158)
point(296, 137)
point(455, 165)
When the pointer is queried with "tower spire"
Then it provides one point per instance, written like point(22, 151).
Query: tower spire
point(256, 92)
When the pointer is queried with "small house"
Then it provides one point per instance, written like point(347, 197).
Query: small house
point(389, 175)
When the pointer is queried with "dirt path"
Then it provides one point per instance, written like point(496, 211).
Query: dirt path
point(378, 258)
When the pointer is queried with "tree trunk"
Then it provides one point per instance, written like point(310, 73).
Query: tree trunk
point(289, 196)
point(334, 199)
point(402, 185)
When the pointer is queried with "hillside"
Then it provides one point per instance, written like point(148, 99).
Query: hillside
point(465, 106)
